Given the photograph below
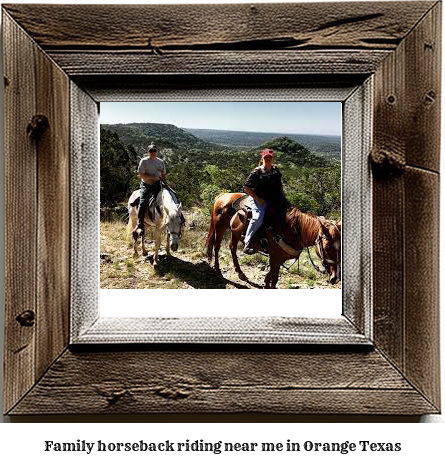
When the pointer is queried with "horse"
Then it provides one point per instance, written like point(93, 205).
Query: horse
point(286, 241)
point(167, 215)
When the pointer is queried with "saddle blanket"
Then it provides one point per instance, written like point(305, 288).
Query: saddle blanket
point(154, 203)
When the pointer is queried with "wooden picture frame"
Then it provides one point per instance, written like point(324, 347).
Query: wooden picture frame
point(65, 60)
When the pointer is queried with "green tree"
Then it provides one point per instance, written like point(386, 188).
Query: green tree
point(117, 168)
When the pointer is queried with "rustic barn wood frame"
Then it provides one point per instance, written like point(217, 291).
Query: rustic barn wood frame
point(66, 58)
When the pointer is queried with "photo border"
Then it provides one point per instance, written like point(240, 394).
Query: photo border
point(87, 326)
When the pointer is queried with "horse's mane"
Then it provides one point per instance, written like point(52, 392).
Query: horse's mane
point(305, 225)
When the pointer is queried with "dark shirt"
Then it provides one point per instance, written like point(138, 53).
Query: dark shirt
point(266, 185)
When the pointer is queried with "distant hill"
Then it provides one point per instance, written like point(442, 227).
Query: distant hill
point(327, 146)
point(165, 136)
point(199, 170)
point(288, 151)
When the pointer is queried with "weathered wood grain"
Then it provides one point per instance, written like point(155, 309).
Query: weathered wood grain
point(274, 26)
point(84, 212)
point(408, 99)
point(388, 201)
point(78, 63)
point(20, 212)
point(406, 131)
point(187, 382)
point(422, 281)
point(356, 218)
point(53, 208)
point(388, 271)
point(423, 91)
point(273, 330)
point(400, 376)
point(218, 87)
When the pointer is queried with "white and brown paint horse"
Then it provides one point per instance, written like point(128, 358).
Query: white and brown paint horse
point(298, 231)
point(165, 216)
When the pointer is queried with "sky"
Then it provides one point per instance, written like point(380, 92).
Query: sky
point(323, 118)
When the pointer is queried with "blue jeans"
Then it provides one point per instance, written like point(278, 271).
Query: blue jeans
point(258, 212)
point(148, 195)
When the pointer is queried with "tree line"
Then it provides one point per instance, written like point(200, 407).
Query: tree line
point(311, 182)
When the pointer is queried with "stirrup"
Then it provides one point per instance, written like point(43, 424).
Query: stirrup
point(264, 243)
point(249, 250)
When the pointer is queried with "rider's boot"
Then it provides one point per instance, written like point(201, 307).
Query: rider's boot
point(251, 247)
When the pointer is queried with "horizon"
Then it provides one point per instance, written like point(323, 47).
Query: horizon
point(268, 132)
point(299, 118)
point(228, 130)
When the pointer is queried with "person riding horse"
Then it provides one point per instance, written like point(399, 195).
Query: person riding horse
point(151, 171)
point(265, 189)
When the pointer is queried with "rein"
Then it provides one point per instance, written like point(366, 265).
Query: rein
point(182, 219)
point(325, 261)
point(314, 265)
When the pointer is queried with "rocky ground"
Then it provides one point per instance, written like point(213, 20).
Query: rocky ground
point(188, 267)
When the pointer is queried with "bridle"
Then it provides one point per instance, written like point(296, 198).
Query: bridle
point(325, 260)
point(181, 225)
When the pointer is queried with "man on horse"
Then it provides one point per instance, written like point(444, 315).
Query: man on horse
point(152, 172)
point(266, 191)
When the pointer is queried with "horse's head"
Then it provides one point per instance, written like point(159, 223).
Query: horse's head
point(176, 222)
point(328, 247)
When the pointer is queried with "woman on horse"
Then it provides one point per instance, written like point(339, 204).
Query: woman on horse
point(266, 190)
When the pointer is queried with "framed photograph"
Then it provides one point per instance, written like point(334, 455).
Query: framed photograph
point(340, 111)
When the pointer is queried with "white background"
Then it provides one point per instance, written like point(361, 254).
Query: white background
point(140, 303)
point(21, 441)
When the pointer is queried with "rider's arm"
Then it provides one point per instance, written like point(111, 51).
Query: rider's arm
point(147, 178)
point(250, 184)
point(251, 192)
point(163, 175)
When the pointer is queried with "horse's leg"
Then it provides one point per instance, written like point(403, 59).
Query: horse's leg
point(274, 279)
point(220, 230)
point(267, 279)
point(158, 234)
point(144, 249)
point(233, 248)
point(135, 245)
point(132, 235)
point(167, 246)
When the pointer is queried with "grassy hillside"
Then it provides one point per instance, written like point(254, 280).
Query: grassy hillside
point(311, 181)
point(165, 136)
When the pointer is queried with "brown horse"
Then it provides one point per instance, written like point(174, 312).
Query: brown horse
point(286, 241)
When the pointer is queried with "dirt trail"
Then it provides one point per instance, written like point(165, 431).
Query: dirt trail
point(188, 268)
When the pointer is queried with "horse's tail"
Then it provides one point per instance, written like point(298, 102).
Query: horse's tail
point(210, 242)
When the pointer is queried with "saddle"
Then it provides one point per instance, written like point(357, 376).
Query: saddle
point(153, 203)
point(244, 211)
point(242, 203)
